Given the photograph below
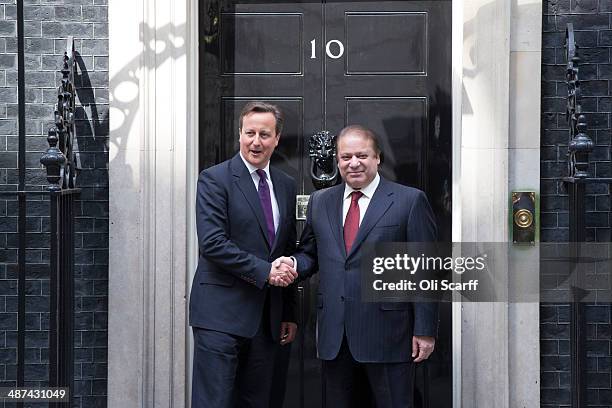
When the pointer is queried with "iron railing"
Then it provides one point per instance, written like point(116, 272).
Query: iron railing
point(61, 192)
point(60, 162)
point(579, 147)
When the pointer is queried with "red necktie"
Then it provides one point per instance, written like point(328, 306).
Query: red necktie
point(351, 223)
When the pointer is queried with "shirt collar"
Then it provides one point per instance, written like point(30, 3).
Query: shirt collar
point(367, 191)
point(252, 169)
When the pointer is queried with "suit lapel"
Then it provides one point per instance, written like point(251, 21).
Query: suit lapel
point(245, 184)
point(379, 204)
point(334, 214)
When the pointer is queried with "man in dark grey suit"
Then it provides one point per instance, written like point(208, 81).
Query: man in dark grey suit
point(383, 339)
point(244, 213)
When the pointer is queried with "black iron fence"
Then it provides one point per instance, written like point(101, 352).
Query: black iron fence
point(28, 255)
point(578, 176)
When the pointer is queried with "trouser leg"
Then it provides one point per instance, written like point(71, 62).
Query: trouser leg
point(215, 361)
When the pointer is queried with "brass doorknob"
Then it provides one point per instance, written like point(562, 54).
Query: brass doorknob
point(523, 218)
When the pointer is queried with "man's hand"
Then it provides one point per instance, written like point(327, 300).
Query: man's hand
point(282, 272)
point(286, 260)
point(422, 347)
point(288, 331)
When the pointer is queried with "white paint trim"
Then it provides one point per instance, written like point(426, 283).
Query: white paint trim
point(192, 178)
point(457, 96)
point(489, 368)
point(149, 183)
point(125, 223)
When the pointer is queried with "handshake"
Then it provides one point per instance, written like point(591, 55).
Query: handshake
point(283, 272)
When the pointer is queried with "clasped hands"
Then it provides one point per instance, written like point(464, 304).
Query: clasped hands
point(282, 272)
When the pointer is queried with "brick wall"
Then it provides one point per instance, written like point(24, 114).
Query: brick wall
point(592, 20)
point(47, 25)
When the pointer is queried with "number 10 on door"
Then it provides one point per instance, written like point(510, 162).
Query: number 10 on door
point(335, 54)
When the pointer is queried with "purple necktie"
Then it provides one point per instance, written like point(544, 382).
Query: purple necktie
point(266, 204)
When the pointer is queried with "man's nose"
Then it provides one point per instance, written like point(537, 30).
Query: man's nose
point(256, 139)
point(354, 162)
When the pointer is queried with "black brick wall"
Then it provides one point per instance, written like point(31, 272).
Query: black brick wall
point(592, 20)
point(48, 23)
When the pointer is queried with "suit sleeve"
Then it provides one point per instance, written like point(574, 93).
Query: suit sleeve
point(306, 254)
point(290, 292)
point(213, 237)
point(422, 228)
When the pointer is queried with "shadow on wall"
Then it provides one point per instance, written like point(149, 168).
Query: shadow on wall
point(124, 86)
point(92, 131)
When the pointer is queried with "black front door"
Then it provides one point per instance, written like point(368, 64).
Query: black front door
point(385, 65)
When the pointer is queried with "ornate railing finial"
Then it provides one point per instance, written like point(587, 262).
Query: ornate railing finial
point(580, 147)
point(53, 160)
point(580, 144)
point(60, 160)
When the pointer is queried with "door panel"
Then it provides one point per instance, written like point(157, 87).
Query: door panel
point(394, 76)
point(390, 77)
point(255, 50)
point(248, 50)
point(373, 51)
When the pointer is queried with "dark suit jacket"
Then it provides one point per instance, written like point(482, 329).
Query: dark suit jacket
point(376, 332)
point(229, 287)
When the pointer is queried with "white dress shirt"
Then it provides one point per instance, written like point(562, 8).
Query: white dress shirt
point(255, 177)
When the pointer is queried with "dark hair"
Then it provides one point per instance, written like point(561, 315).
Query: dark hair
point(367, 133)
point(262, 107)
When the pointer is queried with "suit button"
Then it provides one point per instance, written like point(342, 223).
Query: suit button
point(342, 298)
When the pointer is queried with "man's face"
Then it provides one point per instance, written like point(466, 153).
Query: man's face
point(357, 160)
point(258, 138)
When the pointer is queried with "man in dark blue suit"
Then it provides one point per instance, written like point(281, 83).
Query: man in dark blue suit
point(244, 213)
point(384, 340)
